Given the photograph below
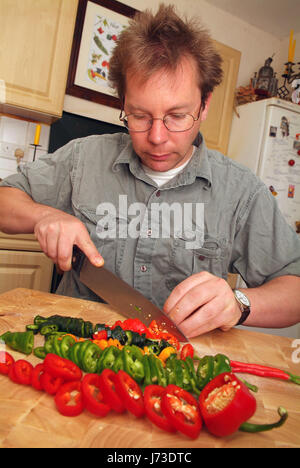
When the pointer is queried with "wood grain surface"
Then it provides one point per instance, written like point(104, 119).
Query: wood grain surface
point(29, 418)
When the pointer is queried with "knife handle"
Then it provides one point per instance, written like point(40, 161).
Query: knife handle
point(77, 259)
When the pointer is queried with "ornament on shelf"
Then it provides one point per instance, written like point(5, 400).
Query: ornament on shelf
point(265, 82)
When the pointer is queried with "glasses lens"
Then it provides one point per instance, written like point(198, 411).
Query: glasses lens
point(138, 122)
point(178, 122)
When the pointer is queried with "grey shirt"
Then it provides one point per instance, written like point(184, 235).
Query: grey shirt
point(100, 180)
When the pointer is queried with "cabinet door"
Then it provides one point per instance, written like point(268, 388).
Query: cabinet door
point(36, 39)
point(31, 270)
point(216, 128)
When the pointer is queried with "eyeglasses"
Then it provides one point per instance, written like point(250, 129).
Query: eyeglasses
point(173, 122)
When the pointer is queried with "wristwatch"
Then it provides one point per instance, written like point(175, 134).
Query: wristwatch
point(244, 305)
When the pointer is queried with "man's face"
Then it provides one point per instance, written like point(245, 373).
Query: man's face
point(165, 93)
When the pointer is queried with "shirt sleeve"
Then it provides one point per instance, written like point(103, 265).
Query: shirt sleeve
point(265, 246)
point(48, 180)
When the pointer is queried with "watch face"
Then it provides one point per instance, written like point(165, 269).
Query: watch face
point(241, 297)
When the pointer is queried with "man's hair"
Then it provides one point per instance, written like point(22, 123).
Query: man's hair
point(153, 42)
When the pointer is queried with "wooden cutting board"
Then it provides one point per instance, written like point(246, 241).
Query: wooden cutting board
point(28, 418)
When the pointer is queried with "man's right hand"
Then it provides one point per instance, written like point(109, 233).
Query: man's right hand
point(58, 232)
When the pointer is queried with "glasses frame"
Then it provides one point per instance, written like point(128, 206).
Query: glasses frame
point(151, 120)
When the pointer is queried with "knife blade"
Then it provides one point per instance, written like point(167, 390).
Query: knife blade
point(124, 298)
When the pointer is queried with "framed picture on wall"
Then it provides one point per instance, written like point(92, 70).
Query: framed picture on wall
point(98, 25)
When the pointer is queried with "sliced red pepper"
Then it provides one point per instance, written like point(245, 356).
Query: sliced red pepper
point(6, 360)
point(92, 396)
point(182, 411)
point(225, 404)
point(23, 371)
point(61, 367)
point(107, 387)
point(187, 350)
point(100, 335)
point(69, 400)
point(155, 331)
point(36, 376)
point(11, 374)
point(134, 325)
point(50, 383)
point(130, 393)
point(152, 400)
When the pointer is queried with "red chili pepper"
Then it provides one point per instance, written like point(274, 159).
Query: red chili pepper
point(225, 404)
point(263, 371)
point(60, 367)
point(187, 350)
point(182, 410)
point(50, 384)
point(6, 360)
point(36, 376)
point(93, 397)
point(22, 371)
point(68, 399)
point(100, 335)
point(107, 387)
point(130, 393)
point(152, 400)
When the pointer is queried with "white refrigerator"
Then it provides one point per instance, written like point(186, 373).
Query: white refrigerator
point(265, 137)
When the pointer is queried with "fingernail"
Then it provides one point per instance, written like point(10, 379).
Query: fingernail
point(98, 261)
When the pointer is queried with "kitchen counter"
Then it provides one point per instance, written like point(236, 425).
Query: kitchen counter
point(29, 418)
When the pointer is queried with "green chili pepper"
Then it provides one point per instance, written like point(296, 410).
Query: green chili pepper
point(90, 358)
point(100, 45)
point(119, 363)
point(40, 352)
point(133, 362)
point(109, 358)
point(47, 329)
point(158, 374)
point(66, 343)
point(34, 328)
point(147, 372)
point(250, 427)
point(221, 364)
point(19, 341)
point(205, 371)
point(38, 320)
point(189, 365)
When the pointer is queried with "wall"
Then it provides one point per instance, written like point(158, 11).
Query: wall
point(19, 134)
point(255, 45)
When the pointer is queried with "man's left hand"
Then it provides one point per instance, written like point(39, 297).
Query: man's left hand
point(201, 303)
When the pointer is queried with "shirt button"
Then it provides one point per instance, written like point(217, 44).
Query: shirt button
point(158, 193)
point(149, 232)
point(143, 268)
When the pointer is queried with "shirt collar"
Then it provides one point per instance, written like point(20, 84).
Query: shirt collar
point(198, 166)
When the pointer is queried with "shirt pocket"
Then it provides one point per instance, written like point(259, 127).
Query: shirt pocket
point(186, 261)
point(109, 233)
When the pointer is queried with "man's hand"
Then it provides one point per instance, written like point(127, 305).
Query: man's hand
point(201, 303)
point(57, 232)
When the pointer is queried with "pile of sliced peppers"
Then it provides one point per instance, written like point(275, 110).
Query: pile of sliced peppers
point(148, 356)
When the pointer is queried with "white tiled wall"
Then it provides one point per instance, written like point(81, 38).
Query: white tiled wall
point(19, 134)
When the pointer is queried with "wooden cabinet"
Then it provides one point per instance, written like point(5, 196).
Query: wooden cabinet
point(22, 264)
point(36, 38)
point(217, 126)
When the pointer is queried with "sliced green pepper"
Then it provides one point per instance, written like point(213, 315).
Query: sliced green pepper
point(205, 371)
point(221, 364)
point(108, 358)
point(66, 343)
point(49, 328)
point(34, 328)
point(157, 371)
point(147, 371)
point(73, 354)
point(90, 358)
point(133, 362)
point(119, 363)
point(83, 346)
point(19, 341)
point(40, 352)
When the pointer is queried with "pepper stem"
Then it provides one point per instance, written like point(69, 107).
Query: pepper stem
point(249, 427)
point(294, 378)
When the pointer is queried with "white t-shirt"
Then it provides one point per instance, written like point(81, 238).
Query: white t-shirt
point(161, 178)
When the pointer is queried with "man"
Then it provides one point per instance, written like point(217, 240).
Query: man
point(164, 70)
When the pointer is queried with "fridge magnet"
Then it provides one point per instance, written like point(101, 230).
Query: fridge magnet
point(291, 192)
point(273, 131)
point(296, 93)
point(291, 162)
point(285, 127)
point(273, 191)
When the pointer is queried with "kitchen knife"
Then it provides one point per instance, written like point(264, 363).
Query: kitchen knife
point(116, 292)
